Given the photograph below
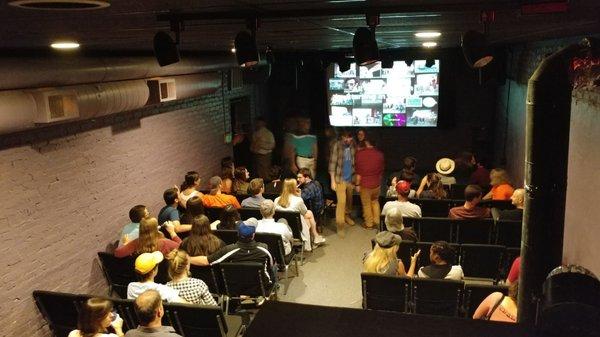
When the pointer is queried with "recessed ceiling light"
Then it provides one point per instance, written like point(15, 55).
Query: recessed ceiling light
point(233, 50)
point(429, 44)
point(428, 34)
point(65, 45)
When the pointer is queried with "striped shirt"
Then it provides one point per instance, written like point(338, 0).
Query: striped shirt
point(244, 252)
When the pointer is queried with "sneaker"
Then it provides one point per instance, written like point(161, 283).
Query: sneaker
point(319, 239)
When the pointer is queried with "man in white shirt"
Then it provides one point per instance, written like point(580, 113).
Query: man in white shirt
point(262, 145)
point(268, 225)
point(407, 208)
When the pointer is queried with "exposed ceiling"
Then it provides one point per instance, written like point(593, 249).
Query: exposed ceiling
point(288, 24)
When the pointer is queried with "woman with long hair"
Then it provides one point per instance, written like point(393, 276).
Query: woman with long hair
point(150, 239)
point(194, 208)
point(227, 178)
point(290, 200)
point(191, 289)
point(501, 187)
point(96, 318)
point(230, 218)
point(189, 188)
point(240, 184)
point(498, 307)
point(383, 259)
point(201, 241)
point(432, 187)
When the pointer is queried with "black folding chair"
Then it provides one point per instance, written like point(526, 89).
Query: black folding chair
point(277, 250)
point(213, 213)
point(477, 231)
point(437, 297)
point(210, 276)
point(482, 261)
point(384, 292)
point(457, 191)
point(425, 247)
point(202, 320)
point(119, 272)
point(476, 293)
point(295, 222)
point(228, 236)
point(508, 233)
point(59, 309)
point(432, 207)
point(250, 279)
point(249, 212)
point(126, 310)
point(499, 204)
point(436, 229)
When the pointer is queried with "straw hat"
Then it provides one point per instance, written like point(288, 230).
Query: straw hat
point(445, 166)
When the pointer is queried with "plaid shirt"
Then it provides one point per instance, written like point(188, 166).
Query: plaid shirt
point(312, 194)
point(336, 160)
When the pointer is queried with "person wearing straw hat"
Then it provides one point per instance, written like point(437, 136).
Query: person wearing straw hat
point(445, 167)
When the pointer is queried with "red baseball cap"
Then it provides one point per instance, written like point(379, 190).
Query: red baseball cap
point(403, 187)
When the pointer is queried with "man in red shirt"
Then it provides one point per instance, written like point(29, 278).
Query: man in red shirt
point(369, 166)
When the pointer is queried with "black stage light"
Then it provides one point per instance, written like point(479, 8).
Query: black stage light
point(429, 63)
point(477, 53)
point(165, 49)
point(245, 49)
point(365, 46)
point(269, 55)
point(409, 62)
point(387, 62)
point(344, 64)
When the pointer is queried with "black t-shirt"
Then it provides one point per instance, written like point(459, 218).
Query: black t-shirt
point(245, 252)
point(437, 271)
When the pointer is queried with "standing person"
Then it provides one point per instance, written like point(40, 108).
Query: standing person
point(302, 148)
point(241, 145)
point(262, 145)
point(369, 170)
point(341, 171)
point(149, 311)
point(361, 136)
point(95, 317)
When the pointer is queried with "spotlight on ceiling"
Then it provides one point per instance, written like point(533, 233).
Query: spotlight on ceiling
point(428, 35)
point(65, 45)
point(365, 46)
point(165, 49)
point(409, 62)
point(246, 50)
point(429, 63)
point(429, 44)
point(344, 64)
point(477, 53)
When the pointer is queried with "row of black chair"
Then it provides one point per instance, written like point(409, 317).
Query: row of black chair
point(441, 207)
point(61, 311)
point(423, 296)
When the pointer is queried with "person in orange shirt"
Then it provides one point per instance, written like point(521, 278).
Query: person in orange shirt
point(216, 198)
point(501, 187)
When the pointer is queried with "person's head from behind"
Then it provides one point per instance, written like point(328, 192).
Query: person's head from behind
point(194, 206)
point(303, 125)
point(191, 180)
point(518, 198)
point(146, 265)
point(215, 184)
point(346, 137)
point(256, 187)
point(403, 189)
point(288, 190)
point(170, 196)
point(228, 162)
point(227, 173)
point(304, 175)
point(433, 179)
point(200, 226)
point(465, 158)
point(241, 173)
point(473, 194)
point(441, 253)
point(149, 236)
point(408, 176)
point(409, 163)
point(137, 213)
point(246, 232)
point(499, 176)
point(148, 308)
point(179, 263)
point(95, 316)
point(259, 123)
point(393, 220)
point(229, 217)
point(384, 252)
point(267, 209)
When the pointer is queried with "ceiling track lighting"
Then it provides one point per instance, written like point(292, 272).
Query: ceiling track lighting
point(475, 49)
point(246, 50)
point(364, 43)
point(165, 49)
point(344, 64)
point(409, 62)
point(429, 63)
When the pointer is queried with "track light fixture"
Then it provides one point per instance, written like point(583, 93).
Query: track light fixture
point(477, 52)
point(165, 49)
point(344, 64)
point(429, 63)
point(364, 43)
point(409, 62)
point(246, 51)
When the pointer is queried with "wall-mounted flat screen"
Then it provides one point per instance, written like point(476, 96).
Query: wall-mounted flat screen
point(401, 96)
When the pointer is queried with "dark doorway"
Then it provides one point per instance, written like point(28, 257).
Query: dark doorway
point(241, 121)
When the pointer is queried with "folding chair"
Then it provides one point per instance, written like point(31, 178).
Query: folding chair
point(437, 297)
point(213, 213)
point(119, 272)
point(228, 236)
point(508, 233)
point(202, 320)
point(250, 279)
point(457, 191)
point(277, 250)
point(432, 207)
point(475, 293)
point(435, 229)
point(384, 292)
point(482, 261)
point(210, 276)
point(59, 309)
point(249, 212)
point(477, 231)
point(295, 222)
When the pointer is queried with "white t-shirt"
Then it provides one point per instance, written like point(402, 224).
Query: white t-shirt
point(135, 289)
point(407, 208)
point(77, 333)
point(455, 273)
point(270, 226)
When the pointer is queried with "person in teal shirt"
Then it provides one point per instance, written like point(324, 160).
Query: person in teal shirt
point(302, 148)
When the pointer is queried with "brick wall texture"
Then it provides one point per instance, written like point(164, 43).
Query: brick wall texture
point(65, 198)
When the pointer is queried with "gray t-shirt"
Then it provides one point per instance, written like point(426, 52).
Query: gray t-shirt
point(142, 331)
point(253, 201)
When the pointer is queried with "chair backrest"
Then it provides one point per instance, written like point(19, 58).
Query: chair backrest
point(437, 297)
point(118, 272)
point(275, 245)
point(213, 213)
point(383, 292)
point(294, 221)
point(249, 212)
point(457, 191)
point(228, 236)
point(405, 251)
point(499, 204)
point(246, 278)
point(476, 293)
point(59, 309)
point(474, 231)
point(508, 233)
point(197, 320)
point(433, 207)
point(482, 261)
point(435, 229)
point(210, 276)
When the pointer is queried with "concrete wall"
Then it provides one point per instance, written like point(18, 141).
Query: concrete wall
point(67, 191)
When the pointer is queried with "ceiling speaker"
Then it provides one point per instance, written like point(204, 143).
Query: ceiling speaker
point(165, 49)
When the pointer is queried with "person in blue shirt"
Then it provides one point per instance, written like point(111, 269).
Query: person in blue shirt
point(131, 231)
point(170, 211)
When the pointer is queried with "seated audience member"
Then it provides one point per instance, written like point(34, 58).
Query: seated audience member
point(290, 200)
point(440, 254)
point(201, 240)
point(470, 210)
point(518, 200)
point(445, 167)
point(191, 289)
point(501, 188)
point(131, 231)
point(189, 188)
point(146, 266)
point(431, 187)
point(230, 219)
point(407, 208)
point(310, 191)
point(95, 318)
point(170, 212)
point(268, 225)
point(149, 311)
point(497, 307)
point(216, 198)
point(394, 223)
point(150, 240)
point(383, 259)
point(256, 188)
point(245, 250)
point(194, 207)
point(227, 177)
point(240, 184)
point(480, 175)
point(515, 270)
point(464, 166)
point(275, 180)
point(406, 176)
point(407, 172)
